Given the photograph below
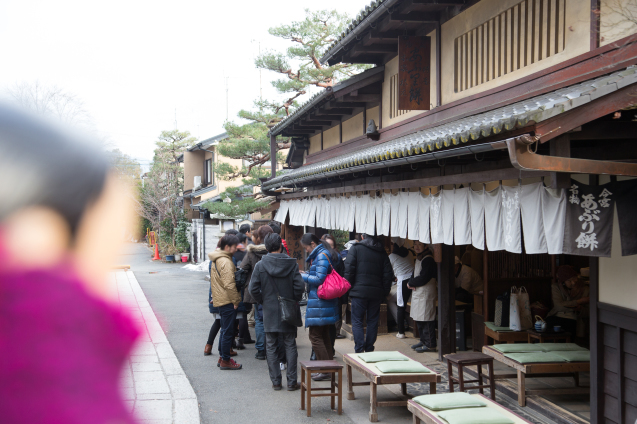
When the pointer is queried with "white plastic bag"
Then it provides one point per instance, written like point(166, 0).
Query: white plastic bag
point(514, 311)
point(524, 306)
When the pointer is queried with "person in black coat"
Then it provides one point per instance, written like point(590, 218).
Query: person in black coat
point(369, 271)
point(277, 275)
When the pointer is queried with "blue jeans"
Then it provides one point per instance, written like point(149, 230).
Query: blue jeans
point(362, 342)
point(258, 328)
point(228, 314)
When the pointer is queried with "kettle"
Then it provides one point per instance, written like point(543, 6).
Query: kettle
point(540, 324)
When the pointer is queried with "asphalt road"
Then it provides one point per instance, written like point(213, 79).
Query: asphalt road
point(179, 299)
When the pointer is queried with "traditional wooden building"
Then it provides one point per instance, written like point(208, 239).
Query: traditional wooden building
point(488, 123)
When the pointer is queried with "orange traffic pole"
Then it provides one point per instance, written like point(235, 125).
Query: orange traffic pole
point(156, 258)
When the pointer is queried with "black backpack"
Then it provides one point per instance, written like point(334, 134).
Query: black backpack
point(240, 277)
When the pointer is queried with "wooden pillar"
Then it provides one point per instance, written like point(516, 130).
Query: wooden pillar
point(446, 302)
point(273, 155)
point(485, 281)
point(561, 147)
point(597, 339)
point(438, 66)
point(595, 31)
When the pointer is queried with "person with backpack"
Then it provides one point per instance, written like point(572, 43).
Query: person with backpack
point(423, 298)
point(277, 275)
point(370, 273)
point(320, 314)
point(225, 296)
point(255, 253)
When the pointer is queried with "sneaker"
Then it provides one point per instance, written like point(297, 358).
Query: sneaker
point(417, 345)
point(400, 335)
point(277, 387)
point(260, 355)
point(282, 366)
point(424, 348)
point(321, 377)
point(229, 365)
point(207, 351)
point(295, 386)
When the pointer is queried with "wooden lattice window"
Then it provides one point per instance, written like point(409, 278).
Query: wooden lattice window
point(528, 32)
point(393, 98)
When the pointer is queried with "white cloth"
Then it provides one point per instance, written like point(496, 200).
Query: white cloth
point(532, 222)
point(351, 213)
point(320, 211)
point(335, 210)
point(446, 209)
point(282, 213)
point(424, 235)
point(435, 218)
point(554, 218)
point(370, 225)
point(383, 212)
point(399, 214)
point(511, 219)
point(476, 207)
point(413, 215)
point(360, 213)
point(293, 211)
point(493, 219)
point(461, 217)
point(310, 220)
point(423, 299)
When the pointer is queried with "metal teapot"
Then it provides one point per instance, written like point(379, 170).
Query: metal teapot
point(540, 324)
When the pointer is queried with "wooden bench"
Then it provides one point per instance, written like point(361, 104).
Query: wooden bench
point(427, 416)
point(375, 377)
point(543, 369)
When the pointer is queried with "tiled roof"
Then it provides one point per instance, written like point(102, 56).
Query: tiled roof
point(536, 109)
point(316, 99)
point(362, 16)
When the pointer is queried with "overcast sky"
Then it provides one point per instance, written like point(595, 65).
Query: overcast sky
point(134, 62)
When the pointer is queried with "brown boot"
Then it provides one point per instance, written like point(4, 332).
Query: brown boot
point(233, 353)
point(219, 361)
point(229, 365)
point(207, 351)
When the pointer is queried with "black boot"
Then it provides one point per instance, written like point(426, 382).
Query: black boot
point(260, 355)
point(240, 345)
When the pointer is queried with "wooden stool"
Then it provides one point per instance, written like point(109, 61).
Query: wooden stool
point(325, 367)
point(462, 360)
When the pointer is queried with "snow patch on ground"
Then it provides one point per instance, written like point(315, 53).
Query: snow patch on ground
point(202, 267)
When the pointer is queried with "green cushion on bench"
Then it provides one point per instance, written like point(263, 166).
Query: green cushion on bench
point(402, 367)
point(534, 357)
point(475, 416)
point(560, 347)
point(371, 357)
point(574, 355)
point(518, 347)
point(445, 401)
point(493, 327)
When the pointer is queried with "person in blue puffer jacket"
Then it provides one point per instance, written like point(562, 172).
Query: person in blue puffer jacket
point(320, 314)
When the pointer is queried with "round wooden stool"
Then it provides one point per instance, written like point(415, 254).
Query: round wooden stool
point(325, 367)
point(461, 360)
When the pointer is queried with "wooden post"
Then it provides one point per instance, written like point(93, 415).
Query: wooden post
point(446, 303)
point(561, 147)
point(438, 66)
point(273, 156)
point(596, 340)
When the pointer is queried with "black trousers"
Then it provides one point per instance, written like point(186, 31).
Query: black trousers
point(214, 330)
point(427, 330)
point(400, 312)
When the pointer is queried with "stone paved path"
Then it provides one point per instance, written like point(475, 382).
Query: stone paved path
point(153, 382)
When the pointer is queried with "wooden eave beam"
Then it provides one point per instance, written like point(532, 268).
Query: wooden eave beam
point(441, 3)
point(310, 122)
point(375, 36)
point(361, 49)
point(339, 111)
point(341, 104)
point(325, 116)
point(414, 17)
point(307, 127)
point(365, 98)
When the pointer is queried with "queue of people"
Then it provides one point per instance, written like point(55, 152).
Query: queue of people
point(402, 277)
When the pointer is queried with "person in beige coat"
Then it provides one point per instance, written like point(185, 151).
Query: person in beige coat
point(225, 296)
point(423, 299)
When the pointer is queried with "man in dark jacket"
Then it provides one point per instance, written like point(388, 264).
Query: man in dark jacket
point(277, 275)
point(369, 271)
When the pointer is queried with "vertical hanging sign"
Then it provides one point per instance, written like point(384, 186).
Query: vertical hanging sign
point(414, 59)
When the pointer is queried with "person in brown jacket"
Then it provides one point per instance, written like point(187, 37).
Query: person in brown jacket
point(254, 254)
point(225, 296)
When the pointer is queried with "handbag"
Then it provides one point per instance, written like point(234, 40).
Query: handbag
point(289, 309)
point(334, 285)
point(502, 305)
point(524, 306)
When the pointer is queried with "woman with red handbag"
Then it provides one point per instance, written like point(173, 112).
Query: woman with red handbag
point(320, 314)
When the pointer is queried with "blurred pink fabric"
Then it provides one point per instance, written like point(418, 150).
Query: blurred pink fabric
point(61, 350)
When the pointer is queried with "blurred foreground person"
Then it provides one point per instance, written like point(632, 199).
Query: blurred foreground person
point(63, 340)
